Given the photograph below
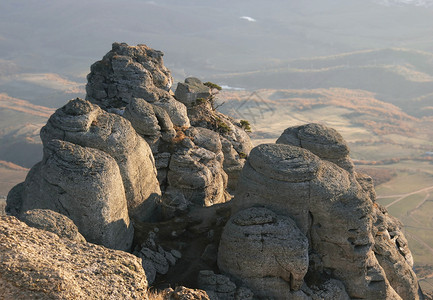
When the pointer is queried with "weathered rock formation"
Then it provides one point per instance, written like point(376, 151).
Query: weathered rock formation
point(350, 237)
point(325, 142)
point(236, 144)
point(266, 250)
point(303, 224)
point(128, 72)
point(133, 82)
point(36, 264)
point(83, 184)
point(85, 124)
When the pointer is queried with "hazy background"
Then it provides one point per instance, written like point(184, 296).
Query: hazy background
point(364, 67)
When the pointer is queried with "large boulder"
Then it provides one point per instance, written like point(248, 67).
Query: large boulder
point(128, 72)
point(85, 124)
point(83, 184)
point(266, 251)
point(192, 89)
point(351, 239)
point(323, 141)
point(198, 174)
point(36, 264)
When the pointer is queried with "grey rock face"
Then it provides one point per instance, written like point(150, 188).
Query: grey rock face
point(220, 287)
point(350, 237)
point(323, 141)
point(278, 176)
point(52, 221)
point(85, 124)
point(198, 174)
point(392, 251)
point(189, 91)
point(133, 82)
point(151, 122)
point(264, 250)
point(236, 144)
point(189, 167)
point(85, 185)
point(128, 72)
point(330, 289)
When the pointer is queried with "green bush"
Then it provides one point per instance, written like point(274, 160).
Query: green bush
point(245, 125)
point(213, 85)
point(222, 127)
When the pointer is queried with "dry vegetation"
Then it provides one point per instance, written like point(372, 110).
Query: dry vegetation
point(158, 295)
point(180, 134)
point(379, 117)
point(366, 111)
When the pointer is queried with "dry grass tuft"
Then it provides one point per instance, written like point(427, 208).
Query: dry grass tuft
point(158, 295)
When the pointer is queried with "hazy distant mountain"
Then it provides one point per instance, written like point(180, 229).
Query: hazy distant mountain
point(198, 37)
point(398, 76)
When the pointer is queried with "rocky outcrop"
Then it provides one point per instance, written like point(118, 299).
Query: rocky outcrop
point(133, 82)
point(83, 184)
point(350, 238)
point(303, 224)
point(392, 252)
point(236, 144)
point(51, 221)
point(198, 174)
point(192, 89)
point(36, 264)
point(128, 72)
point(151, 122)
point(85, 124)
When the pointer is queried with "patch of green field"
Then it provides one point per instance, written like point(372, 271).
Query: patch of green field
point(386, 201)
point(402, 208)
point(424, 214)
point(383, 151)
point(405, 182)
point(420, 243)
